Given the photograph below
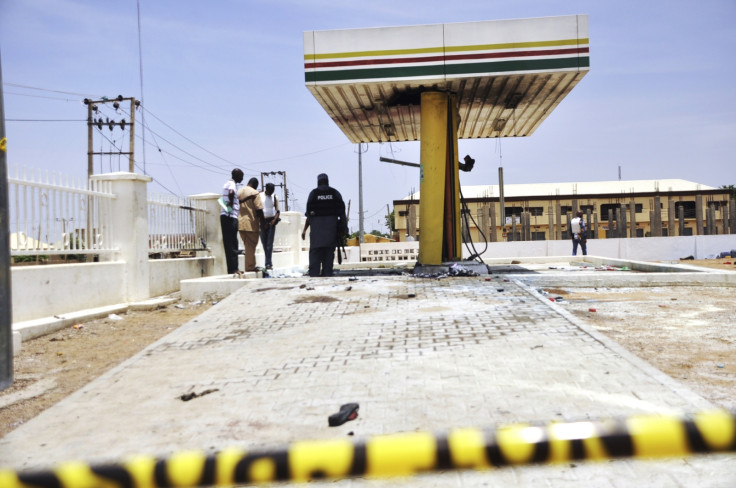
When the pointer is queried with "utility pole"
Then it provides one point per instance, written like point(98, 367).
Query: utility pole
point(501, 202)
point(92, 106)
point(388, 219)
point(6, 313)
point(282, 185)
point(361, 229)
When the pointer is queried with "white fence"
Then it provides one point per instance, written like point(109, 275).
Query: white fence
point(49, 214)
point(389, 251)
point(176, 224)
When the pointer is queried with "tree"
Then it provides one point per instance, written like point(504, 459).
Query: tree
point(732, 188)
point(390, 221)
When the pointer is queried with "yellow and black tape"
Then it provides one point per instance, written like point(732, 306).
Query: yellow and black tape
point(3, 144)
point(405, 454)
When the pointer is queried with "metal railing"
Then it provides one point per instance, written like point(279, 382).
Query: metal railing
point(50, 214)
point(176, 224)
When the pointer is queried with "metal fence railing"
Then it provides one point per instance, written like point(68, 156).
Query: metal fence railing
point(50, 214)
point(176, 224)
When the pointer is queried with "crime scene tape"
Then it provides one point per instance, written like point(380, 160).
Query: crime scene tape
point(3, 144)
point(405, 454)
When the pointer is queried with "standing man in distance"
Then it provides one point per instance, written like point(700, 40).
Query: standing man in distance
point(250, 220)
point(326, 216)
point(271, 212)
point(229, 220)
point(579, 234)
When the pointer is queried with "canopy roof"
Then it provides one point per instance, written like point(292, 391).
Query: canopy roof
point(508, 75)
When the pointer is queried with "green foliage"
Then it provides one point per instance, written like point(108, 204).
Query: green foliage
point(732, 188)
point(391, 221)
point(31, 259)
point(373, 232)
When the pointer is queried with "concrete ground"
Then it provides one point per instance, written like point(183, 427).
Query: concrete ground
point(278, 356)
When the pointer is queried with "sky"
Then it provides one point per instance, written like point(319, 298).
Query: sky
point(222, 86)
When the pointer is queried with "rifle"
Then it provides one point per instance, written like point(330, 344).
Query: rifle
point(341, 240)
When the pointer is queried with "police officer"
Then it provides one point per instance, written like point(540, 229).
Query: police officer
point(326, 216)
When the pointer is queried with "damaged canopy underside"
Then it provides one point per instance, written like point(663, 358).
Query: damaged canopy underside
point(507, 75)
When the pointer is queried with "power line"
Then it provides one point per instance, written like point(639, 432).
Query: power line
point(215, 167)
point(45, 120)
point(28, 87)
point(140, 70)
point(41, 96)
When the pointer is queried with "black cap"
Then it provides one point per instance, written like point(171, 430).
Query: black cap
point(322, 177)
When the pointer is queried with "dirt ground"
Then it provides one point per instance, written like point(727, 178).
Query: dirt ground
point(686, 332)
point(49, 368)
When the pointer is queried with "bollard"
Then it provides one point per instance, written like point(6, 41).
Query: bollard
point(406, 454)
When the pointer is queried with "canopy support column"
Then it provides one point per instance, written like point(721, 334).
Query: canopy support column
point(439, 204)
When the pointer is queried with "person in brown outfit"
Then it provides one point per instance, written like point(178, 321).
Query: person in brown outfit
point(250, 219)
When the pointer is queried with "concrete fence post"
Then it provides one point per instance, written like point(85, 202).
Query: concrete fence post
point(632, 218)
point(710, 217)
point(291, 228)
point(657, 223)
point(412, 227)
point(129, 211)
point(724, 218)
point(483, 229)
point(492, 215)
point(681, 220)
point(623, 221)
point(213, 230)
point(596, 226)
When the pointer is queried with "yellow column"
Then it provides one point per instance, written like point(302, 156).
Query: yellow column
point(455, 189)
point(439, 204)
point(433, 148)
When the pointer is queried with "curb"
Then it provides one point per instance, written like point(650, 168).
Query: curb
point(31, 329)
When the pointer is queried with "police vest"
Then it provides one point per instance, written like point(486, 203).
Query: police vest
point(325, 201)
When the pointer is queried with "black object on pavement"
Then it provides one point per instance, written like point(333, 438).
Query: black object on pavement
point(349, 411)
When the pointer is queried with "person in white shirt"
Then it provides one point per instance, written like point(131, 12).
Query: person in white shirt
point(271, 212)
point(577, 228)
point(229, 220)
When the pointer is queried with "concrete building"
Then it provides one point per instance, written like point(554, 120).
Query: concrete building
point(541, 211)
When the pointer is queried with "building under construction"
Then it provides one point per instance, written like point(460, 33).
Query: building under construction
point(541, 211)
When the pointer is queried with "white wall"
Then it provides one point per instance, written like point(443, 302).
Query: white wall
point(166, 274)
point(639, 249)
point(55, 289)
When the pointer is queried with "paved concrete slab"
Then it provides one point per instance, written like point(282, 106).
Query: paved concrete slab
point(279, 356)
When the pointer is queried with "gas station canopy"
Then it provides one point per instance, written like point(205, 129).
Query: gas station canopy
point(508, 75)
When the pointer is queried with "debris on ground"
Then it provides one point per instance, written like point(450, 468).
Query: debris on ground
point(348, 411)
point(457, 269)
point(190, 396)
